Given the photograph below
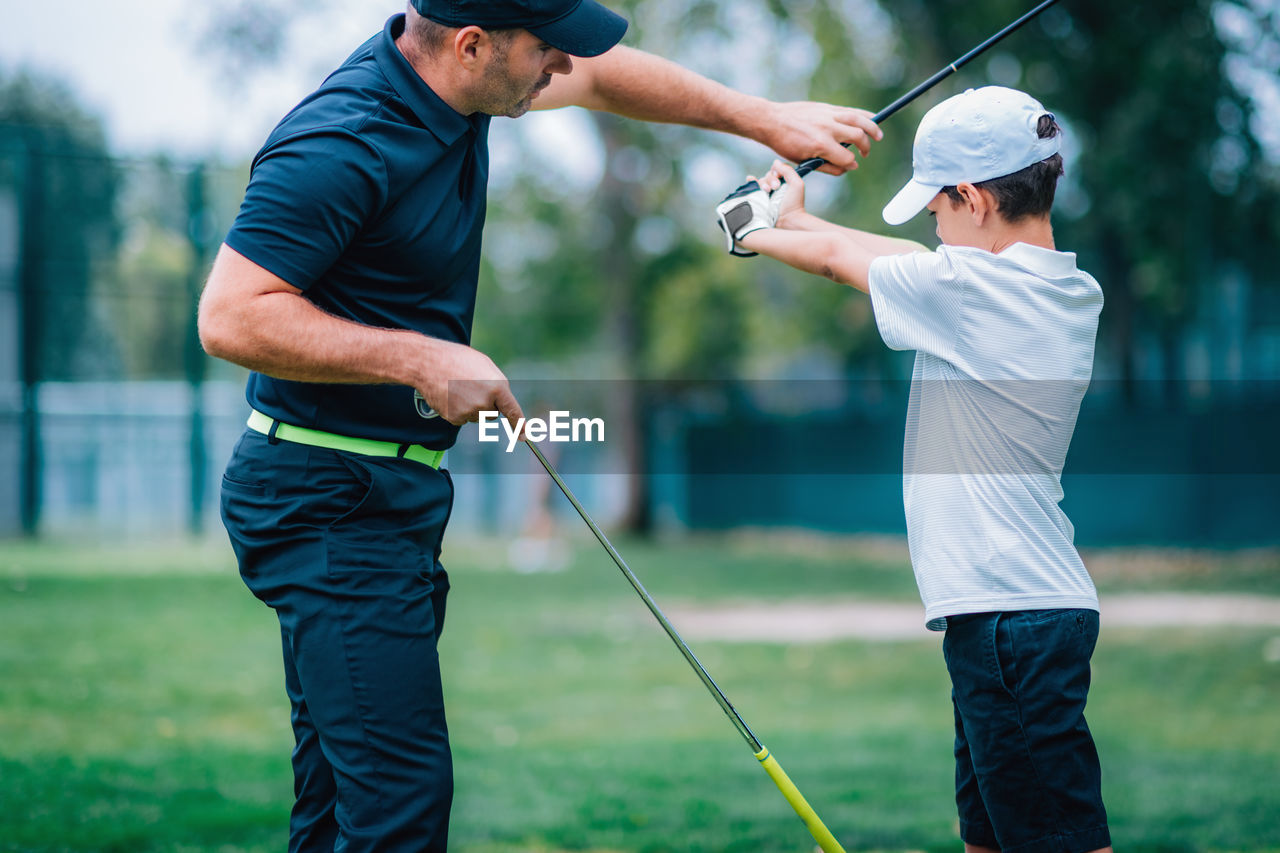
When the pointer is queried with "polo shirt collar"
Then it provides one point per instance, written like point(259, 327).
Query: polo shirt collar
point(1045, 261)
point(446, 123)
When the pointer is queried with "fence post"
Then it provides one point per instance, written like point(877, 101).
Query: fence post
point(31, 289)
point(198, 225)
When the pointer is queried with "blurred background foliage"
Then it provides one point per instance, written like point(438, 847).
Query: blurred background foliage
point(602, 260)
point(600, 247)
point(56, 170)
point(1169, 185)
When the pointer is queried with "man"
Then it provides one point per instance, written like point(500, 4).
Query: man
point(1003, 325)
point(346, 284)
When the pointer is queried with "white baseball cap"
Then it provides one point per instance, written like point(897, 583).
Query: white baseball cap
point(972, 137)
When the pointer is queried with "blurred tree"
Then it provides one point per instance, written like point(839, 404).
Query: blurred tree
point(631, 271)
point(53, 157)
point(150, 306)
point(1167, 185)
point(1167, 190)
point(247, 36)
point(601, 251)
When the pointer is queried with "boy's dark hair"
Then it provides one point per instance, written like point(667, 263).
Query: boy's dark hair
point(1027, 192)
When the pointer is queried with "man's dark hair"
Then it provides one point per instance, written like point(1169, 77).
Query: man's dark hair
point(431, 37)
point(1027, 192)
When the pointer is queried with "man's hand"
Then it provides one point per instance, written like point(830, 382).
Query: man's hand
point(802, 130)
point(462, 382)
point(741, 213)
point(253, 318)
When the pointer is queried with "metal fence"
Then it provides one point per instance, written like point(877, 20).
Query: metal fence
point(145, 459)
point(113, 421)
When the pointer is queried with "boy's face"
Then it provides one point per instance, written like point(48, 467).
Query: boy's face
point(956, 224)
point(975, 221)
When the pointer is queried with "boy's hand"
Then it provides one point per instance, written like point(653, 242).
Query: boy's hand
point(781, 176)
point(739, 215)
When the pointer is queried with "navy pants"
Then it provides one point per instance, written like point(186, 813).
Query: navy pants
point(345, 548)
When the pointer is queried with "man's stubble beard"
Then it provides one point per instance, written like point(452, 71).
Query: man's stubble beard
point(502, 96)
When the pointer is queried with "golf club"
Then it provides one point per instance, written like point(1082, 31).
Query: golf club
point(817, 162)
point(826, 841)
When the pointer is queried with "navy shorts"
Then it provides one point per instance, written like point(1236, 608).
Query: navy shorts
point(1027, 772)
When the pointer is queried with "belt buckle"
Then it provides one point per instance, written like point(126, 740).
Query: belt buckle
point(423, 409)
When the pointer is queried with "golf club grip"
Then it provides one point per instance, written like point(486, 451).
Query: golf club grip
point(817, 162)
point(817, 828)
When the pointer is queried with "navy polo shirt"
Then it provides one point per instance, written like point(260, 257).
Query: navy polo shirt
point(369, 196)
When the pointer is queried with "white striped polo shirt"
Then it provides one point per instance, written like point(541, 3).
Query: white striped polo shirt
point(1004, 352)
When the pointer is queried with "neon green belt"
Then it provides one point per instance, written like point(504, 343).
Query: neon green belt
point(273, 428)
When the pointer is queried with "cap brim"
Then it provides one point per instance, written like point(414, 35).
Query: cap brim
point(589, 30)
point(909, 201)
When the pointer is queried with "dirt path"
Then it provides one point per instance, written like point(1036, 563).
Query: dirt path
point(822, 621)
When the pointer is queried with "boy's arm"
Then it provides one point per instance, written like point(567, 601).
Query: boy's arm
point(814, 245)
point(878, 243)
point(840, 255)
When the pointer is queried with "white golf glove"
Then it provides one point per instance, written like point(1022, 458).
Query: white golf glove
point(745, 210)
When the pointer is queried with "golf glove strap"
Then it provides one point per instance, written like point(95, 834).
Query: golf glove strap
point(743, 212)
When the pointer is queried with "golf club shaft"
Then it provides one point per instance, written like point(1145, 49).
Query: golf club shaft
point(958, 64)
point(817, 162)
point(826, 841)
point(725, 705)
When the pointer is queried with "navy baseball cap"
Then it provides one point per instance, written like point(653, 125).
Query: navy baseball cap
point(578, 27)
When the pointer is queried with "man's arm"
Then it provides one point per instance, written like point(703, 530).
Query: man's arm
point(256, 319)
point(643, 86)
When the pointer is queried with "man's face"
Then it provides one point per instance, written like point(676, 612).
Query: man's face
point(518, 69)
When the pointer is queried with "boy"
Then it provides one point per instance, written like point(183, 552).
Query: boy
point(1003, 326)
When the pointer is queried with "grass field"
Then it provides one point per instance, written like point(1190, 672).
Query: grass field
point(142, 709)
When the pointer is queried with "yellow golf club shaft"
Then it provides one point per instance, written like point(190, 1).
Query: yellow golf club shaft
point(817, 829)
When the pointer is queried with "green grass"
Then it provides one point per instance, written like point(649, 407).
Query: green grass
point(142, 709)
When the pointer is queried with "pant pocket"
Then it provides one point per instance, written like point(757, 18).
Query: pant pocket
point(1004, 654)
point(399, 524)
